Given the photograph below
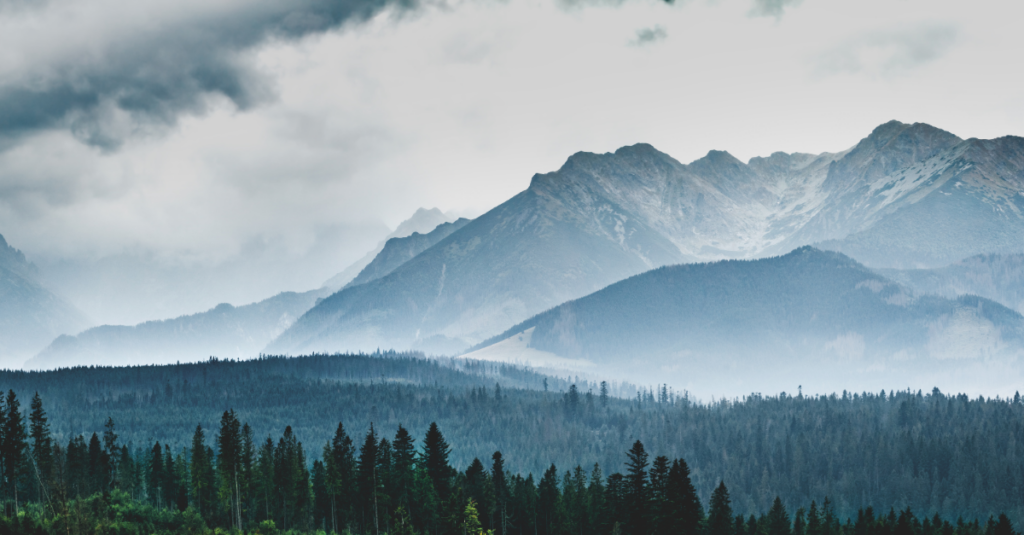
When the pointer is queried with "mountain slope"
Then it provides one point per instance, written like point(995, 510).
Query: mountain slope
point(774, 321)
point(398, 251)
point(422, 221)
point(970, 201)
point(30, 315)
point(568, 234)
point(224, 332)
point(999, 277)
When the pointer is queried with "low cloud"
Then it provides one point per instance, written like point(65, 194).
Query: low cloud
point(646, 36)
point(888, 53)
point(772, 8)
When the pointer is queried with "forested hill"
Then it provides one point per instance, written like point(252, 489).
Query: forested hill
point(932, 452)
point(807, 317)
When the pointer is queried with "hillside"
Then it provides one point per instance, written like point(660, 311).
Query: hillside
point(808, 317)
point(30, 315)
point(999, 277)
point(857, 449)
point(224, 331)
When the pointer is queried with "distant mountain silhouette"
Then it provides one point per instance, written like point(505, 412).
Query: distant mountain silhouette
point(30, 315)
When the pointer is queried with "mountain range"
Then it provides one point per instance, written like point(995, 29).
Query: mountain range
point(905, 196)
point(226, 331)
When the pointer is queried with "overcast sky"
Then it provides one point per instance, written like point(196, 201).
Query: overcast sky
point(188, 128)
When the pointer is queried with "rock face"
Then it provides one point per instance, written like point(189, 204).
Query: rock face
point(759, 321)
point(907, 195)
point(223, 332)
point(30, 315)
point(397, 251)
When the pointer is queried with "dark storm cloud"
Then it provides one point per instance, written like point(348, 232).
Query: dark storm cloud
point(144, 82)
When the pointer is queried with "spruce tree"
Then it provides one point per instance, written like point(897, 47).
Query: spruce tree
point(720, 512)
point(637, 491)
point(500, 485)
point(229, 466)
point(367, 482)
point(42, 447)
point(778, 519)
point(435, 454)
point(13, 450)
point(685, 512)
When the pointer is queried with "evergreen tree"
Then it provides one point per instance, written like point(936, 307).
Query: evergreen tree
point(778, 519)
point(720, 512)
point(435, 454)
point(201, 472)
point(685, 512)
point(660, 505)
point(13, 446)
point(229, 466)
point(42, 448)
point(368, 483)
point(339, 462)
point(155, 481)
point(500, 484)
point(637, 492)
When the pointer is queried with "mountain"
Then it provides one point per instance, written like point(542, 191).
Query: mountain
point(422, 221)
point(809, 317)
point(224, 331)
point(916, 196)
point(999, 277)
point(30, 315)
point(570, 233)
point(603, 217)
point(398, 251)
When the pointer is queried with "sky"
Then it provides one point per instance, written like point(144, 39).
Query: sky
point(189, 132)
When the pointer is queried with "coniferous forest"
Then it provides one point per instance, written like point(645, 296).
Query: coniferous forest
point(374, 444)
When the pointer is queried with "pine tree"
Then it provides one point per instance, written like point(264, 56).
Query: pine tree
point(201, 472)
point(42, 448)
point(685, 511)
point(368, 483)
point(435, 453)
point(637, 491)
point(13, 450)
point(155, 482)
point(229, 466)
point(339, 461)
point(778, 519)
point(720, 512)
point(660, 505)
point(111, 451)
point(500, 484)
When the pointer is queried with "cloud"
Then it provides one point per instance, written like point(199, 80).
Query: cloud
point(646, 36)
point(116, 72)
point(888, 53)
point(772, 8)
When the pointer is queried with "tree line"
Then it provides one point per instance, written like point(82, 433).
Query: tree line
point(375, 485)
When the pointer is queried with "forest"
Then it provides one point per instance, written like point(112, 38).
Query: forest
point(236, 483)
point(931, 453)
